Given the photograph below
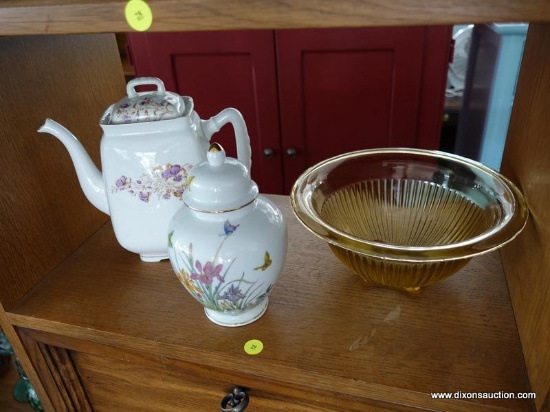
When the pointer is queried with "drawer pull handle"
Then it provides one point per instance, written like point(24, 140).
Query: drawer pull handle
point(236, 401)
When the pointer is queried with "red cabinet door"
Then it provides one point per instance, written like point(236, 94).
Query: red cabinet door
point(222, 69)
point(348, 89)
point(308, 94)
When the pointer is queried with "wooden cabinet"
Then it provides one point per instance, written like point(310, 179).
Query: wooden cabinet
point(92, 325)
point(308, 94)
point(330, 342)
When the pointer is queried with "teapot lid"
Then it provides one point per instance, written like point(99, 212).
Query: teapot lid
point(220, 184)
point(150, 106)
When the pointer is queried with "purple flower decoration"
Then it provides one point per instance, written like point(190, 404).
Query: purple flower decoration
point(207, 273)
point(162, 181)
point(144, 196)
point(172, 171)
point(233, 294)
point(121, 182)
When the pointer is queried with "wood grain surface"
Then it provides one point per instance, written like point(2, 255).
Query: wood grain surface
point(89, 16)
point(58, 375)
point(527, 161)
point(43, 213)
point(324, 328)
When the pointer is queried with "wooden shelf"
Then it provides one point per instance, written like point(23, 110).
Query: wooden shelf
point(85, 16)
point(322, 322)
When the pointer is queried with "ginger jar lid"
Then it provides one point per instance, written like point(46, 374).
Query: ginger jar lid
point(150, 106)
point(220, 184)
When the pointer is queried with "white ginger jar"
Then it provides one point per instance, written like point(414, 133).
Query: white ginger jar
point(227, 244)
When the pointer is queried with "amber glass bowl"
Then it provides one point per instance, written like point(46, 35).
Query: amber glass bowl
point(407, 218)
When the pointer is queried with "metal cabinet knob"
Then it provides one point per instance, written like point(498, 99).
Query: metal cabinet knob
point(269, 152)
point(291, 152)
point(236, 401)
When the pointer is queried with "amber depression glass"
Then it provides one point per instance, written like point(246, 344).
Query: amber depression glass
point(407, 218)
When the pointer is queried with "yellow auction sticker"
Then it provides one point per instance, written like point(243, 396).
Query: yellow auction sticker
point(138, 15)
point(253, 346)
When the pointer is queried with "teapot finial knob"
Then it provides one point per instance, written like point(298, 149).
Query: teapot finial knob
point(216, 155)
point(215, 147)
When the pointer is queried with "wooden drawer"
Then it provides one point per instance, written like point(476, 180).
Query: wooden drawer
point(147, 382)
point(105, 378)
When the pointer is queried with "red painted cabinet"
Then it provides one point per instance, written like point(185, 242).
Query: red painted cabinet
point(308, 94)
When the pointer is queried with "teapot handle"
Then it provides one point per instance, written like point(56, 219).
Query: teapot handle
point(140, 81)
point(233, 116)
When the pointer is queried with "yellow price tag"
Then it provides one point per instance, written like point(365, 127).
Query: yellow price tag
point(253, 346)
point(138, 15)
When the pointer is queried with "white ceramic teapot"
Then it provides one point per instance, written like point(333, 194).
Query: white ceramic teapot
point(228, 244)
point(151, 142)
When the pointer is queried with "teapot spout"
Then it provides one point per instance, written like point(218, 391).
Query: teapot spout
point(89, 177)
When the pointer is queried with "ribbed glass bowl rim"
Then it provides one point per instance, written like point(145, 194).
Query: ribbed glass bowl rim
point(494, 238)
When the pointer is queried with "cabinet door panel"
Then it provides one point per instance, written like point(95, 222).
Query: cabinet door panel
point(222, 69)
point(349, 89)
point(330, 90)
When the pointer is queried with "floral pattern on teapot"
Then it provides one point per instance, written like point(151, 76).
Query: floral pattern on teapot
point(163, 181)
point(144, 109)
point(206, 281)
